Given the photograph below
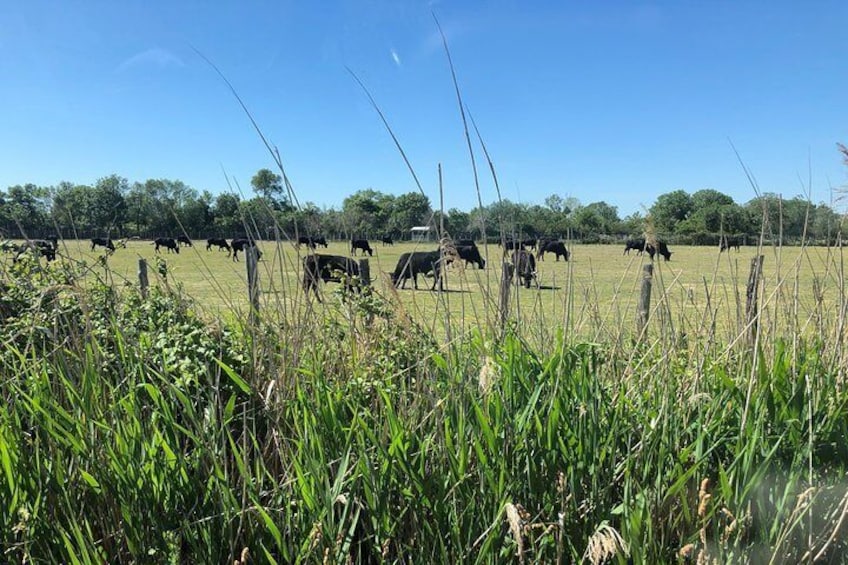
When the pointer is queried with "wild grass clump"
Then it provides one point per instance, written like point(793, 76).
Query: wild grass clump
point(135, 430)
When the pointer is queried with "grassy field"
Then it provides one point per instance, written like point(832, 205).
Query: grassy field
point(593, 296)
point(165, 430)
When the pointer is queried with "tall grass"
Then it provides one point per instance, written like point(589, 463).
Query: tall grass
point(134, 430)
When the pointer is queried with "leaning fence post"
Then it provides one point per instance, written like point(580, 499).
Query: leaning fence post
point(506, 282)
point(252, 258)
point(644, 307)
point(751, 293)
point(143, 283)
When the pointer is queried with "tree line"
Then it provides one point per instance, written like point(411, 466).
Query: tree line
point(114, 207)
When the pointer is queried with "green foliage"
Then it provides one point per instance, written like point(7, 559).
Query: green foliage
point(133, 430)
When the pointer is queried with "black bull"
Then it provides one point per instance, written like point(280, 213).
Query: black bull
point(328, 268)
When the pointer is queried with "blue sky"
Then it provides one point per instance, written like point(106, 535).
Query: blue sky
point(615, 101)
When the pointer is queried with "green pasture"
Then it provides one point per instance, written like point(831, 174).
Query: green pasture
point(592, 296)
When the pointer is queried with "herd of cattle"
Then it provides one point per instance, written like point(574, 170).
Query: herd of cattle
point(337, 268)
point(346, 270)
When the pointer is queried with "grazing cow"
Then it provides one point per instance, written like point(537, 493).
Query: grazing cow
point(728, 243)
point(387, 240)
point(637, 244)
point(661, 248)
point(41, 247)
point(310, 242)
point(555, 247)
point(184, 240)
point(328, 268)
point(241, 244)
point(360, 244)
point(220, 242)
point(471, 254)
point(411, 264)
point(168, 242)
point(525, 267)
point(103, 242)
point(511, 245)
point(304, 240)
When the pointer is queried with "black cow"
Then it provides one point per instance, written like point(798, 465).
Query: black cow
point(525, 267)
point(168, 242)
point(387, 240)
point(220, 242)
point(661, 248)
point(411, 264)
point(465, 243)
point(42, 247)
point(471, 254)
point(184, 240)
point(728, 243)
point(328, 268)
point(637, 244)
point(311, 242)
point(360, 244)
point(511, 245)
point(241, 244)
point(555, 247)
point(530, 242)
point(304, 240)
point(103, 242)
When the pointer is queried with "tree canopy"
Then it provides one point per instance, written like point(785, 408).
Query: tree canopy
point(114, 206)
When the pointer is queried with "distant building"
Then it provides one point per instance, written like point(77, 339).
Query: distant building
point(421, 233)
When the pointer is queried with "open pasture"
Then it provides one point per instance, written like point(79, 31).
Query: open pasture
point(592, 296)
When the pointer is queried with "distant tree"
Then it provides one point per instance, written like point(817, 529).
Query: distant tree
point(633, 225)
point(597, 218)
point(777, 215)
point(506, 219)
point(108, 206)
point(25, 209)
point(367, 212)
point(195, 214)
point(267, 184)
point(408, 210)
point(457, 222)
point(227, 218)
point(669, 210)
point(555, 203)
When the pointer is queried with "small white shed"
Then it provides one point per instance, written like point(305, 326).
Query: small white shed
point(421, 233)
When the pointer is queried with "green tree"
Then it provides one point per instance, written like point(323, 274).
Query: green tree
point(597, 218)
point(25, 210)
point(457, 222)
point(408, 210)
point(225, 212)
point(267, 184)
point(669, 210)
point(366, 212)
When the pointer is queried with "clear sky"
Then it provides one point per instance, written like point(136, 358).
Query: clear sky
point(610, 100)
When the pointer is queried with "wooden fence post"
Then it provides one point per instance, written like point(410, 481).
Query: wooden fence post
point(644, 307)
point(751, 309)
point(506, 282)
point(364, 272)
point(252, 259)
point(143, 283)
